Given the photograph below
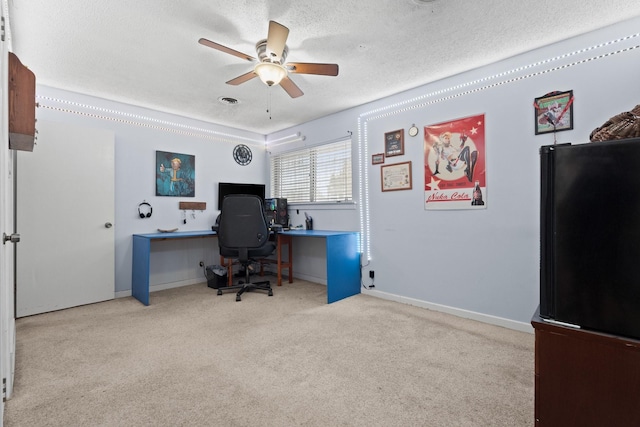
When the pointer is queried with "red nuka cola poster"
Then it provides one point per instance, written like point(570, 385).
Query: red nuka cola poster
point(455, 165)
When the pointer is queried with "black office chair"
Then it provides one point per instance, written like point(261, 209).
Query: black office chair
point(243, 234)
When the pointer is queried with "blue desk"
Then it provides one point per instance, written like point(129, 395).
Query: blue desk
point(343, 260)
point(142, 258)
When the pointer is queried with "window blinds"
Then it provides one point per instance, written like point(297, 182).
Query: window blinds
point(317, 174)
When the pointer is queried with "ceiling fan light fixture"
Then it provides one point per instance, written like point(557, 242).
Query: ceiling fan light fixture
point(272, 67)
point(271, 74)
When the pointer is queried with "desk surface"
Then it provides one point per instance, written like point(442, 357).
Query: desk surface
point(177, 234)
point(315, 233)
point(204, 233)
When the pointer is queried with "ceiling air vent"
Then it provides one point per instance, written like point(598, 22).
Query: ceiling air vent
point(228, 101)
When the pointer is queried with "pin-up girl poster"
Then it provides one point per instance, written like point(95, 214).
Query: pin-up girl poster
point(454, 164)
point(175, 174)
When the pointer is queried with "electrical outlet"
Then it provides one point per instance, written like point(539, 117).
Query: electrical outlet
point(371, 274)
point(201, 263)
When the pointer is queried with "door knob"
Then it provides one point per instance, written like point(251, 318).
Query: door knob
point(14, 238)
point(108, 225)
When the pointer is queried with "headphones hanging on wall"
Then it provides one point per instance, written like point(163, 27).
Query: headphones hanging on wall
point(142, 214)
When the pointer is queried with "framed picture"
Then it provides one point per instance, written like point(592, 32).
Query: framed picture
point(396, 176)
point(394, 143)
point(554, 112)
point(376, 159)
point(175, 174)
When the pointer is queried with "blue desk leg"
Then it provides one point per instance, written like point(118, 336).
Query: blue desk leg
point(343, 267)
point(140, 269)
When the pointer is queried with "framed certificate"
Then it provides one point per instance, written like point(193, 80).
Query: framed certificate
point(396, 176)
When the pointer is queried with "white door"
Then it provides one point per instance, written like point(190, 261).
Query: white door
point(7, 317)
point(65, 211)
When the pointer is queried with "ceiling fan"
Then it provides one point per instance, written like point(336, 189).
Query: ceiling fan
point(271, 68)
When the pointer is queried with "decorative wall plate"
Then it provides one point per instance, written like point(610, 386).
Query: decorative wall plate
point(242, 154)
point(413, 130)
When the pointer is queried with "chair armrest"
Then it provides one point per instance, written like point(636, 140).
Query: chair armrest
point(217, 224)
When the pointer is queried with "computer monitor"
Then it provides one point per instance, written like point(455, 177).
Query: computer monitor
point(226, 188)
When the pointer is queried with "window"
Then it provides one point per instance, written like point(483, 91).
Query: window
point(316, 174)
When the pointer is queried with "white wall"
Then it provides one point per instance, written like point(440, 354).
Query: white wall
point(482, 264)
point(138, 134)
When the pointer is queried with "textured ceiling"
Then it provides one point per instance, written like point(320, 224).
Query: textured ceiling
point(146, 52)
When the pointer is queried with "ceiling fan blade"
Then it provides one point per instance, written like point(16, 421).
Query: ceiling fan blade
point(290, 87)
point(277, 39)
point(225, 49)
point(243, 78)
point(312, 68)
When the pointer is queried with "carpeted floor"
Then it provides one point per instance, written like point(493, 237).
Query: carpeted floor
point(193, 358)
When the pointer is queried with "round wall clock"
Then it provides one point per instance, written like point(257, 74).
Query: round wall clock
point(242, 154)
point(413, 130)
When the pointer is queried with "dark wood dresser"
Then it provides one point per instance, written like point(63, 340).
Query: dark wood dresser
point(585, 378)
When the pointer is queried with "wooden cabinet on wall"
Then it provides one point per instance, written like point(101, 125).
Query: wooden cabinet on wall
point(585, 378)
point(22, 105)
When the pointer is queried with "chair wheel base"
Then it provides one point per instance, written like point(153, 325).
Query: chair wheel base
point(270, 293)
point(219, 291)
point(238, 298)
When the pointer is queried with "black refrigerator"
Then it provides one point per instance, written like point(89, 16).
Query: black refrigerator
point(590, 236)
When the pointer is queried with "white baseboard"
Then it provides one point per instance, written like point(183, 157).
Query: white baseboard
point(318, 280)
point(123, 294)
point(163, 286)
point(485, 318)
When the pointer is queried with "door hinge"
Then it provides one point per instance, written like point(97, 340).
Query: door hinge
point(2, 28)
point(4, 389)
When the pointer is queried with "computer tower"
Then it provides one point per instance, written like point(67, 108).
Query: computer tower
point(276, 211)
